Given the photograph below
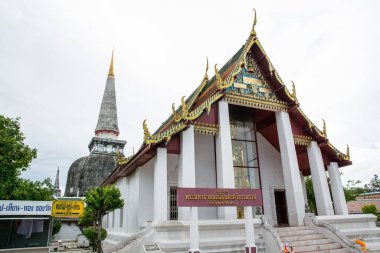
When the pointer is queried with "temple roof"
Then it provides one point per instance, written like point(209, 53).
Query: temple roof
point(277, 97)
point(107, 120)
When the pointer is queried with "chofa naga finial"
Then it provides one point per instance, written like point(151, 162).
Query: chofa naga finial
point(348, 152)
point(324, 128)
point(206, 76)
point(146, 130)
point(294, 94)
point(253, 32)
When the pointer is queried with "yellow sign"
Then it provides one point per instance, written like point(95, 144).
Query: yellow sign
point(67, 209)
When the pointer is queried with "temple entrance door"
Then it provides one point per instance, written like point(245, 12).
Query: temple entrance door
point(281, 208)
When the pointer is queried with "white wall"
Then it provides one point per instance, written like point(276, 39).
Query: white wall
point(271, 176)
point(69, 231)
point(205, 171)
point(146, 185)
point(133, 202)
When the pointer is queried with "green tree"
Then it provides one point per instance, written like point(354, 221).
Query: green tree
point(374, 184)
point(15, 155)
point(99, 202)
point(29, 190)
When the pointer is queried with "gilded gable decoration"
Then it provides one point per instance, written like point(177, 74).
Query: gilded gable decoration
point(324, 128)
point(348, 153)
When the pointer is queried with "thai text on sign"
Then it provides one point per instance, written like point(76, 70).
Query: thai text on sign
point(21, 207)
point(67, 208)
point(218, 197)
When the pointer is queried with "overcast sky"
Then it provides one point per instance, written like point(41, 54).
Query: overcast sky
point(54, 59)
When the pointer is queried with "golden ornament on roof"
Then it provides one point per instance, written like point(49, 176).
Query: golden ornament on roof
point(253, 32)
point(348, 152)
point(294, 94)
point(146, 130)
point(206, 76)
point(324, 128)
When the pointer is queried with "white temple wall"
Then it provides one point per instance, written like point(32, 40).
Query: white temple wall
point(146, 193)
point(272, 177)
point(133, 202)
point(205, 171)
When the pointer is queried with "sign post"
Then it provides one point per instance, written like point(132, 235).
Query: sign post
point(205, 197)
point(250, 246)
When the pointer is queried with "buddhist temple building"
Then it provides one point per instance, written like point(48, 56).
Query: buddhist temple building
point(89, 171)
point(241, 128)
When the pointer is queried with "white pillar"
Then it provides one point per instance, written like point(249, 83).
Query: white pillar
point(160, 206)
point(293, 186)
point(249, 230)
point(224, 164)
point(186, 168)
point(340, 204)
point(194, 231)
point(303, 187)
point(318, 176)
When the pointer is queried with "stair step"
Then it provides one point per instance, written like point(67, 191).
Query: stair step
point(280, 229)
point(328, 246)
point(311, 242)
point(303, 237)
point(342, 250)
point(296, 232)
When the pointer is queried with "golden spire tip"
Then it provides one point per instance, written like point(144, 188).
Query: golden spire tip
point(110, 72)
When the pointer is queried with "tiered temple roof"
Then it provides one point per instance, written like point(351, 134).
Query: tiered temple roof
point(247, 79)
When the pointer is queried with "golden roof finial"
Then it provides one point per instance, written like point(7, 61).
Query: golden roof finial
point(294, 94)
point(146, 130)
point(348, 152)
point(110, 72)
point(184, 109)
point(206, 76)
point(253, 32)
point(173, 109)
point(324, 128)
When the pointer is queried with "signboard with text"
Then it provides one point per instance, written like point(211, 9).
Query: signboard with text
point(204, 197)
point(67, 209)
point(22, 207)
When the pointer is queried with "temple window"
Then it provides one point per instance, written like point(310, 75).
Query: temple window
point(244, 150)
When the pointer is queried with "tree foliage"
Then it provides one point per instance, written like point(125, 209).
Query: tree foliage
point(57, 224)
point(33, 190)
point(91, 235)
point(15, 155)
point(99, 202)
point(369, 209)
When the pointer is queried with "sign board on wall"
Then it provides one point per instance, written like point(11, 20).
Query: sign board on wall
point(22, 207)
point(218, 197)
point(67, 208)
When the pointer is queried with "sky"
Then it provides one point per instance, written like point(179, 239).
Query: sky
point(54, 59)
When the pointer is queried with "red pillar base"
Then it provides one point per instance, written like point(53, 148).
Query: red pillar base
point(250, 249)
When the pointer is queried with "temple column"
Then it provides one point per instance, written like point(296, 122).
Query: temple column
point(293, 185)
point(340, 204)
point(160, 202)
point(320, 185)
point(303, 187)
point(224, 163)
point(186, 167)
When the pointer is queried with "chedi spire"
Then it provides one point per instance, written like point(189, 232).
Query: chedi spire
point(107, 121)
point(57, 191)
